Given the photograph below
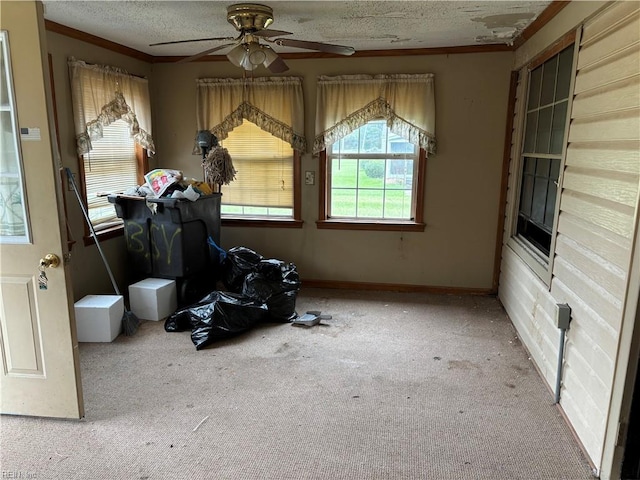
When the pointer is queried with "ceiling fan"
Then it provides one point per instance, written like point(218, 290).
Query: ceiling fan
point(252, 20)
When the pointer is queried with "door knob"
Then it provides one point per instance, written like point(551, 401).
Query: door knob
point(50, 260)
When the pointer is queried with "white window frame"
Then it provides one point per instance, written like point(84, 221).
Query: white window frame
point(540, 264)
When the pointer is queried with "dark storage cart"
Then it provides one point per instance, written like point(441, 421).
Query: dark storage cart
point(173, 242)
point(137, 222)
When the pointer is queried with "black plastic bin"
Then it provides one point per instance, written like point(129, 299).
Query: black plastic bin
point(137, 222)
point(179, 232)
point(172, 243)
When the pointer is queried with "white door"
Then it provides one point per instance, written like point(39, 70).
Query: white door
point(39, 352)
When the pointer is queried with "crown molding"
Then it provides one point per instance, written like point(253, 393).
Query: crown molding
point(545, 17)
point(541, 20)
point(98, 41)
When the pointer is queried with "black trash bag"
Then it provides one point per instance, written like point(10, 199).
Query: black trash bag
point(283, 276)
point(257, 287)
point(272, 277)
point(271, 269)
point(187, 317)
point(239, 262)
point(273, 280)
point(222, 315)
point(179, 321)
point(282, 307)
point(290, 279)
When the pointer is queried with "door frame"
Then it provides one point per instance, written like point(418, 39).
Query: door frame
point(626, 369)
point(34, 105)
point(632, 447)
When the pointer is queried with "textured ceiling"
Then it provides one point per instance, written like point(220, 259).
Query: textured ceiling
point(364, 25)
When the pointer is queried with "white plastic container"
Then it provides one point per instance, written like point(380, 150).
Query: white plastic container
point(153, 298)
point(99, 317)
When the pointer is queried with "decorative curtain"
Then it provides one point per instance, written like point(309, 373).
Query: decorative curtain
point(101, 95)
point(275, 104)
point(346, 102)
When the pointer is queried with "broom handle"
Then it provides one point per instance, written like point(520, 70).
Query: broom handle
point(72, 182)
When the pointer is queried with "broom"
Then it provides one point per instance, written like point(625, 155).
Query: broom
point(129, 321)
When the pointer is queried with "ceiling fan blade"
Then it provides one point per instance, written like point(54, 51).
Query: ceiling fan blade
point(267, 32)
point(194, 40)
point(278, 66)
point(273, 61)
point(205, 53)
point(321, 47)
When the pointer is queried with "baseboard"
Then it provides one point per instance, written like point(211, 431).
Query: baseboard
point(395, 287)
point(592, 465)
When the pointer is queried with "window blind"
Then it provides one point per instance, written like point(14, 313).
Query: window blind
point(111, 167)
point(264, 166)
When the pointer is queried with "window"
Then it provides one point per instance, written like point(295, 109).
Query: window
point(543, 147)
point(260, 121)
point(112, 123)
point(373, 177)
point(14, 224)
point(113, 165)
point(267, 168)
point(373, 133)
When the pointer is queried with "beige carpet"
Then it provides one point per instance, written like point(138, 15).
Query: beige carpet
point(397, 386)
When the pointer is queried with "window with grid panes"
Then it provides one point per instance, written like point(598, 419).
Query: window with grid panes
point(264, 183)
point(372, 175)
point(110, 167)
point(542, 149)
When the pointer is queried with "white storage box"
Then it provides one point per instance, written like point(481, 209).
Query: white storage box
point(99, 317)
point(153, 298)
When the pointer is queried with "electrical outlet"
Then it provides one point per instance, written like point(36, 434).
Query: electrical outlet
point(309, 177)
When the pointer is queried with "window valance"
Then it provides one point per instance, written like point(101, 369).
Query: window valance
point(275, 104)
point(346, 102)
point(102, 94)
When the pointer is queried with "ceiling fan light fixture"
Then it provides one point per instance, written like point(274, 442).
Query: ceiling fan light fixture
point(248, 66)
point(236, 55)
point(255, 54)
point(269, 55)
point(246, 63)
